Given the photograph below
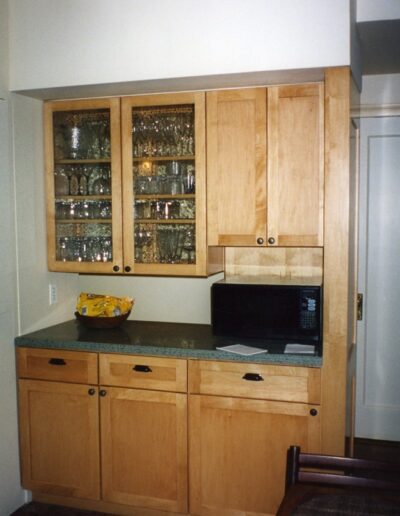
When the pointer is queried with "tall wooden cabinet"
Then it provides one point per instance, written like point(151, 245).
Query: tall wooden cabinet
point(265, 166)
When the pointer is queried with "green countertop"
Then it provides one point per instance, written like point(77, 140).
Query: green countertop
point(174, 340)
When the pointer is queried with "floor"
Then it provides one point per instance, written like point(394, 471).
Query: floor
point(363, 449)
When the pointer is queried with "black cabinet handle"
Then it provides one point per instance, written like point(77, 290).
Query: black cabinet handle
point(313, 412)
point(271, 240)
point(102, 393)
point(91, 391)
point(116, 268)
point(260, 241)
point(57, 361)
point(127, 269)
point(253, 377)
point(141, 368)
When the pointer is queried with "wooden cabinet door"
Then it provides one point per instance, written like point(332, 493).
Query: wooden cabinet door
point(59, 438)
point(144, 448)
point(238, 452)
point(83, 185)
point(295, 165)
point(236, 167)
point(164, 185)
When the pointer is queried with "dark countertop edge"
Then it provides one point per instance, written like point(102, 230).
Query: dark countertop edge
point(185, 353)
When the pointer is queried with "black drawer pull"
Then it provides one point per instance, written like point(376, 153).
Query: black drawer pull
point(142, 368)
point(57, 361)
point(253, 377)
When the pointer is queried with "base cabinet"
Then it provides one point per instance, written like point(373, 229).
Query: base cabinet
point(144, 448)
point(59, 436)
point(153, 436)
point(238, 452)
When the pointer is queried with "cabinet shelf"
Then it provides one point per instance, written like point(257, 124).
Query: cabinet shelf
point(164, 196)
point(83, 198)
point(83, 221)
point(81, 161)
point(165, 221)
point(189, 157)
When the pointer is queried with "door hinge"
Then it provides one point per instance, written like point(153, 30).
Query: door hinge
point(360, 300)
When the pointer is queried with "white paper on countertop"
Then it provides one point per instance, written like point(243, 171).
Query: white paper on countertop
point(302, 349)
point(241, 349)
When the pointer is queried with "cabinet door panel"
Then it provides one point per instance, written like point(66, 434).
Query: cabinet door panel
point(236, 162)
point(238, 452)
point(59, 437)
point(144, 448)
point(295, 165)
point(83, 185)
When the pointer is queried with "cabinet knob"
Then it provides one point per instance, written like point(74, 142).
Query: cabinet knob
point(313, 412)
point(116, 268)
point(271, 240)
point(260, 241)
point(127, 269)
point(91, 391)
point(103, 392)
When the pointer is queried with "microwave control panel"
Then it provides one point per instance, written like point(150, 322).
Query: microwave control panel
point(308, 309)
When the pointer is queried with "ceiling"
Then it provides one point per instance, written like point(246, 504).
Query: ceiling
point(380, 46)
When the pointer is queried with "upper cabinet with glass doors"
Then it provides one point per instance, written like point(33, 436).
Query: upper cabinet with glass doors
point(164, 184)
point(82, 147)
point(147, 217)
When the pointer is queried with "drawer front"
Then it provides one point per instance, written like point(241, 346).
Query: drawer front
point(259, 381)
point(143, 372)
point(58, 365)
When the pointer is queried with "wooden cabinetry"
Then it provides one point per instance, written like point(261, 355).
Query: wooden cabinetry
point(148, 217)
point(129, 437)
point(265, 162)
point(240, 431)
point(144, 432)
point(59, 422)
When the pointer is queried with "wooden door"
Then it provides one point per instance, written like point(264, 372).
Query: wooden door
point(295, 165)
point(164, 170)
point(236, 167)
point(144, 448)
point(59, 438)
point(83, 185)
point(238, 452)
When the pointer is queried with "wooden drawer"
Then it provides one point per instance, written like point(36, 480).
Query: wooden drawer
point(143, 372)
point(59, 365)
point(249, 380)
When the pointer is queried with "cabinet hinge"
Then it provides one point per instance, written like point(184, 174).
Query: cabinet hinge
point(360, 300)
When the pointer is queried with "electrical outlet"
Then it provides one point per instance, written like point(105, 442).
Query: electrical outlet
point(52, 294)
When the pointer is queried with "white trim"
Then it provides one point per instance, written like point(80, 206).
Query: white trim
point(371, 110)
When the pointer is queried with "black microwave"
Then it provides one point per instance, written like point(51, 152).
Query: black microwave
point(279, 313)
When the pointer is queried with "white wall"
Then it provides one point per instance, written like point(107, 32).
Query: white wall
point(77, 42)
point(34, 278)
point(11, 494)
point(372, 10)
point(381, 90)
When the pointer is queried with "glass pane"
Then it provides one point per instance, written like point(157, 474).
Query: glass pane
point(84, 242)
point(87, 179)
point(164, 184)
point(165, 243)
point(82, 134)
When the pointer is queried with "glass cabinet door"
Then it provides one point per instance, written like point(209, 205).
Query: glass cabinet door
point(83, 179)
point(164, 184)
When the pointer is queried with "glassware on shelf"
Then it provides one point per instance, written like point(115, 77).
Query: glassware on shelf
point(61, 182)
point(163, 131)
point(82, 134)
